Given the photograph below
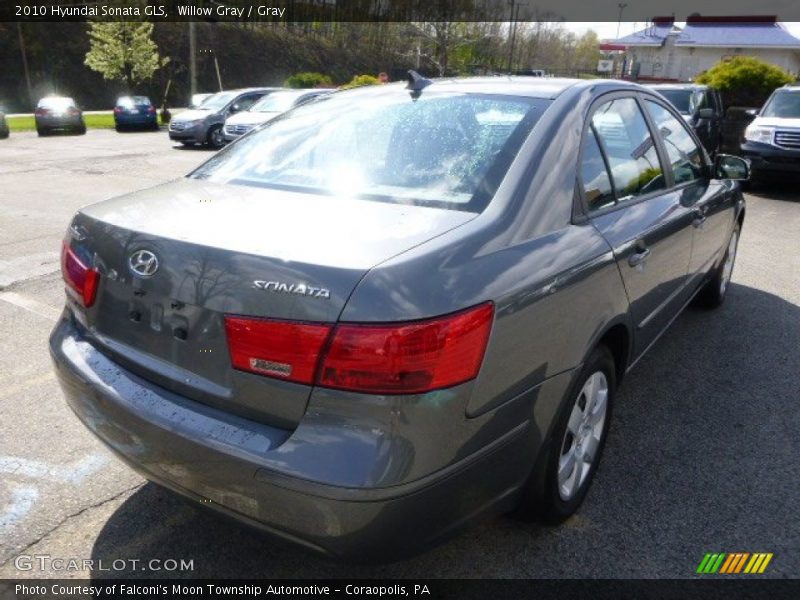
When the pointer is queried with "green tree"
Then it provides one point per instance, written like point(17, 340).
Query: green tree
point(745, 80)
point(123, 52)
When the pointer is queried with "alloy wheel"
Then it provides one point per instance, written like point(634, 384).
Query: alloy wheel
point(584, 432)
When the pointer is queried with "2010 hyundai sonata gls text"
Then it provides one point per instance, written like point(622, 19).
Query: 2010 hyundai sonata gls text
point(389, 311)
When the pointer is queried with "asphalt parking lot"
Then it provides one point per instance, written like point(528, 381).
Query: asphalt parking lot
point(702, 454)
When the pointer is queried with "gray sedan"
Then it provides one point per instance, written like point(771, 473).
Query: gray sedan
point(57, 113)
point(386, 313)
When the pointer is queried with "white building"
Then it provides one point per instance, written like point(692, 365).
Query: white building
point(665, 52)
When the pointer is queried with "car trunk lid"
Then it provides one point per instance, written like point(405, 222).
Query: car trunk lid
point(231, 250)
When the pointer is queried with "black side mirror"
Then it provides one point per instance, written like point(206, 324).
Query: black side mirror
point(727, 166)
point(706, 113)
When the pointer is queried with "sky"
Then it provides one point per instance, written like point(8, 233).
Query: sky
point(608, 30)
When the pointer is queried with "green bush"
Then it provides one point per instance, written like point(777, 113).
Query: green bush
point(308, 80)
point(361, 80)
point(744, 80)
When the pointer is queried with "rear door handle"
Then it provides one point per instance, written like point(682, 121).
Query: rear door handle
point(638, 257)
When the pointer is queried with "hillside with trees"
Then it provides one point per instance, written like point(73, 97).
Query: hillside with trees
point(66, 58)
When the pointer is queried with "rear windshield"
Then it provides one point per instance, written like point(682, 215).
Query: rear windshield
point(784, 104)
point(683, 100)
point(133, 101)
point(56, 103)
point(442, 149)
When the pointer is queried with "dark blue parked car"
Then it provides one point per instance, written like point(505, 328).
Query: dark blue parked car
point(135, 112)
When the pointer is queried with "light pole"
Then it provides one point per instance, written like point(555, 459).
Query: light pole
point(622, 6)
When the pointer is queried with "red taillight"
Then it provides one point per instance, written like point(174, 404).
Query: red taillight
point(408, 358)
point(73, 111)
point(151, 109)
point(41, 112)
point(118, 109)
point(397, 358)
point(280, 349)
point(80, 278)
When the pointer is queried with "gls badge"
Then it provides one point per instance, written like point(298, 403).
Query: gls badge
point(292, 288)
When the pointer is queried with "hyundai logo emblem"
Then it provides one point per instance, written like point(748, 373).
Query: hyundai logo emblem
point(143, 263)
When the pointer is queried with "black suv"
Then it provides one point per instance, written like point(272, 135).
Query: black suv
point(700, 106)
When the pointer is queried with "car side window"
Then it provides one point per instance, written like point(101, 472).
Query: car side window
point(594, 176)
point(629, 149)
point(685, 156)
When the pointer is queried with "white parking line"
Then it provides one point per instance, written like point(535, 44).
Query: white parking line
point(22, 500)
point(31, 305)
point(73, 473)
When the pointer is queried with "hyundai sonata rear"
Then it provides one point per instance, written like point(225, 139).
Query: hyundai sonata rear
point(365, 323)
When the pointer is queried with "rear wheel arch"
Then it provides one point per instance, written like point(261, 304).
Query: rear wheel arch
point(617, 339)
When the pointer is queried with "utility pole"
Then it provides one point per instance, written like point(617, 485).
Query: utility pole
point(216, 65)
point(25, 62)
point(622, 6)
point(192, 60)
point(513, 25)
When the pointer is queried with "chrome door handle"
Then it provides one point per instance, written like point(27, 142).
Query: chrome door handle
point(639, 257)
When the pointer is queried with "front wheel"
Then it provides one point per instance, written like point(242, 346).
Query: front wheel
point(559, 484)
point(216, 139)
point(713, 293)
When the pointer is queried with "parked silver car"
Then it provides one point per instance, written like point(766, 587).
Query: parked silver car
point(267, 108)
point(203, 124)
point(58, 113)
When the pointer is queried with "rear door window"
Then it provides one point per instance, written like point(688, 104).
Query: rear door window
point(594, 176)
point(623, 133)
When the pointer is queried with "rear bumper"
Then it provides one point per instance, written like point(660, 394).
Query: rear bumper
point(59, 122)
point(260, 474)
point(128, 120)
point(766, 157)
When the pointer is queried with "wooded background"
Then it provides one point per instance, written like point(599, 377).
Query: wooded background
point(257, 53)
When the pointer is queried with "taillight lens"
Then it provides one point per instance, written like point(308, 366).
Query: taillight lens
point(397, 358)
point(408, 358)
point(151, 109)
point(80, 278)
point(281, 349)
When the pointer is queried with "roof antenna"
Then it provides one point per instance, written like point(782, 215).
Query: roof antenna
point(416, 83)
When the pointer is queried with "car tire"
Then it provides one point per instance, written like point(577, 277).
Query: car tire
point(715, 290)
point(187, 144)
point(41, 132)
point(215, 138)
point(4, 134)
point(81, 130)
point(561, 478)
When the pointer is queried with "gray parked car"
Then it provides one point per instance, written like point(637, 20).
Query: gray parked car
point(396, 309)
point(203, 124)
point(58, 113)
point(3, 125)
point(701, 107)
point(267, 108)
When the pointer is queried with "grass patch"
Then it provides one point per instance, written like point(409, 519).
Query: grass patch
point(92, 122)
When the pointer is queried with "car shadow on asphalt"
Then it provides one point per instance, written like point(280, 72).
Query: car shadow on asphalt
point(694, 425)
